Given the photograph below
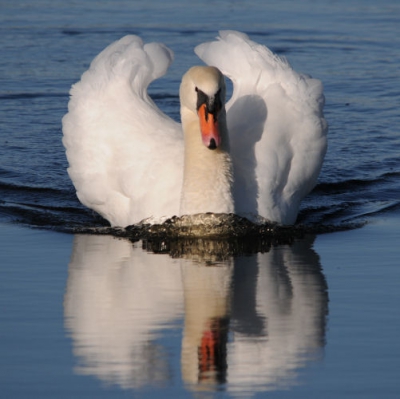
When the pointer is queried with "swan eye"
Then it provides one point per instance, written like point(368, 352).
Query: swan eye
point(202, 98)
point(196, 89)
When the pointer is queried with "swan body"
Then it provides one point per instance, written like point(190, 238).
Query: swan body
point(258, 156)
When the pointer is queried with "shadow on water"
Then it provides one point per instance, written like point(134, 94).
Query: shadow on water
point(244, 323)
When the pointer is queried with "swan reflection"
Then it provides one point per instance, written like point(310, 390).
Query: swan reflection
point(247, 322)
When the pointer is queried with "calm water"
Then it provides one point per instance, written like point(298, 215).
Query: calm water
point(91, 316)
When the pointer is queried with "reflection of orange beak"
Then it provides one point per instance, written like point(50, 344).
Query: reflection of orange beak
point(212, 352)
point(209, 128)
point(209, 356)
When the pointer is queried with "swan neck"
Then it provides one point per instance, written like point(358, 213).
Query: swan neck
point(207, 179)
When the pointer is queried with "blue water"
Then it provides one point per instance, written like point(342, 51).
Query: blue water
point(354, 48)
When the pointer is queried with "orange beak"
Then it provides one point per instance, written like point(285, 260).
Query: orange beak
point(209, 128)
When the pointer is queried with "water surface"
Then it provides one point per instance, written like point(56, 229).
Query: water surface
point(94, 316)
point(352, 47)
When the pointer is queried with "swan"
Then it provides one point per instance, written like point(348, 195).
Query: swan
point(257, 155)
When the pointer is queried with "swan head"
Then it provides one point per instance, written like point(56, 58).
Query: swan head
point(202, 93)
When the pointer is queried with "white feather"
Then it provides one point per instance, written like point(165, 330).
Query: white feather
point(276, 126)
point(125, 155)
point(127, 158)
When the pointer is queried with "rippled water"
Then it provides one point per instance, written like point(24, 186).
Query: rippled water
point(353, 48)
point(194, 317)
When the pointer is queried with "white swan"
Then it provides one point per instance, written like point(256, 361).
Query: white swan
point(129, 161)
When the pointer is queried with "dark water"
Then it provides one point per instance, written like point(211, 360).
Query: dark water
point(94, 316)
point(353, 48)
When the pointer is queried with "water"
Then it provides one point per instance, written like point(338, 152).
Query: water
point(352, 48)
point(259, 305)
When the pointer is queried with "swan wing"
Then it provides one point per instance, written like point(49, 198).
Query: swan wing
point(276, 124)
point(125, 155)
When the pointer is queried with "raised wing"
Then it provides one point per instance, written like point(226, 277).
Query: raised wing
point(276, 124)
point(125, 155)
